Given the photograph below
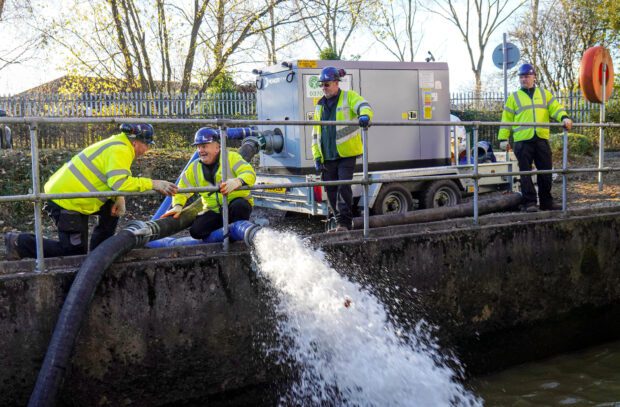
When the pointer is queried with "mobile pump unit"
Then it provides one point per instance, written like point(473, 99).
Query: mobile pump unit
point(398, 92)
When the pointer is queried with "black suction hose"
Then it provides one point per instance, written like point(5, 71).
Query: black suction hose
point(82, 291)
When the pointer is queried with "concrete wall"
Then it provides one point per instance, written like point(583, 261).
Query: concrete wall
point(180, 324)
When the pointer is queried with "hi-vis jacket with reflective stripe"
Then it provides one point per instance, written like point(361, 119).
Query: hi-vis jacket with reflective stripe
point(193, 177)
point(103, 166)
point(538, 109)
point(348, 138)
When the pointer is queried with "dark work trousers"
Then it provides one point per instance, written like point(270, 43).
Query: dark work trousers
point(537, 151)
point(238, 209)
point(72, 232)
point(340, 198)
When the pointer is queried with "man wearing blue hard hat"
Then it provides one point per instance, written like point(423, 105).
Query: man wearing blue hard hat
point(207, 171)
point(336, 148)
point(532, 104)
point(103, 166)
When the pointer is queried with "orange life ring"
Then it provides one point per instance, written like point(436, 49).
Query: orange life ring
point(591, 74)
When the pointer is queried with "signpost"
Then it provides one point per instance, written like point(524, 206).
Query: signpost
point(505, 56)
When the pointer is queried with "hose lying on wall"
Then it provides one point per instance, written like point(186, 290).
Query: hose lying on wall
point(241, 230)
point(503, 203)
point(75, 307)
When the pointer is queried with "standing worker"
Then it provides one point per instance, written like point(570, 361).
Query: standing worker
point(206, 171)
point(532, 104)
point(103, 166)
point(336, 148)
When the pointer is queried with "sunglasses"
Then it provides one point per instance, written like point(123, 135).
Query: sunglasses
point(325, 84)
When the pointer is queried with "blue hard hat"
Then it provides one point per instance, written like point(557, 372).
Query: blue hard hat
point(527, 69)
point(206, 135)
point(141, 131)
point(331, 73)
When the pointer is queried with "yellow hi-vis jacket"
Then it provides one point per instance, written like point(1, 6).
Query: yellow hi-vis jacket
point(538, 109)
point(193, 177)
point(348, 138)
point(103, 166)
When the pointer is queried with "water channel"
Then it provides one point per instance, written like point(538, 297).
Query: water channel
point(340, 334)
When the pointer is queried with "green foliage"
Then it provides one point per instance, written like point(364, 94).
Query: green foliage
point(329, 54)
point(612, 115)
point(224, 82)
point(578, 144)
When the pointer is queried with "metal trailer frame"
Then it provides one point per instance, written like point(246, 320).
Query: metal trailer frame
point(304, 200)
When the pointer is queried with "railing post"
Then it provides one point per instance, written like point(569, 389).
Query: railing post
point(601, 138)
point(224, 164)
point(36, 190)
point(476, 174)
point(564, 167)
point(365, 179)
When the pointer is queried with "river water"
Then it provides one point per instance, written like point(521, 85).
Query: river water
point(351, 354)
point(589, 377)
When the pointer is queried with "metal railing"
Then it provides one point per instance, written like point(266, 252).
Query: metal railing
point(37, 197)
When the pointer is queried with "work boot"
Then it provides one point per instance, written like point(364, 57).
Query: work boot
point(553, 207)
point(530, 208)
point(10, 242)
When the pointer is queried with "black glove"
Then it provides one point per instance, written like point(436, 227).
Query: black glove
point(364, 121)
point(318, 166)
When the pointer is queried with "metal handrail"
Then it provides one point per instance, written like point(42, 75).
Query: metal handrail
point(37, 197)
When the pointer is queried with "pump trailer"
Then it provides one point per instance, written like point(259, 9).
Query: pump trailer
point(398, 92)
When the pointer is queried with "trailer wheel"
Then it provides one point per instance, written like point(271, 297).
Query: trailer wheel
point(441, 193)
point(392, 199)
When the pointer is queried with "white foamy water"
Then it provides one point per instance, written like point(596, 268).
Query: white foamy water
point(340, 335)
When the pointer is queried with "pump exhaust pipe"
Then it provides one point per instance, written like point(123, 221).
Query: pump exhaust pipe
point(505, 202)
point(269, 141)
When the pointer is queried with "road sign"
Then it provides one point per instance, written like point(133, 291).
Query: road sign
point(512, 54)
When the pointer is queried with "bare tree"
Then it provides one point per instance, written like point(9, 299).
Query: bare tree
point(476, 22)
point(570, 27)
point(330, 23)
point(140, 40)
point(393, 27)
point(280, 29)
point(18, 17)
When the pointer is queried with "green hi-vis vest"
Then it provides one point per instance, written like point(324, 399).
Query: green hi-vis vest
point(348, 138)
point(103, 166)
point(538, 109)
point(193, 177)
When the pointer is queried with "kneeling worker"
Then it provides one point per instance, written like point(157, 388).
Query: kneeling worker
point(207, 171)
point(103, 166)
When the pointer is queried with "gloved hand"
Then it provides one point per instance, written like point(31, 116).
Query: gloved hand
point(230, 185)
point(568, 123)
point(318, 166)
point(364, 121)
point(165, 187)
point(504, 145)
point(118, 209)
point(175, 212)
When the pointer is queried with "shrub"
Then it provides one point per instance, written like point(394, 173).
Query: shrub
point(578, 144)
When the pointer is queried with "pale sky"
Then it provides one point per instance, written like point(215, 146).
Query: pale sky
point(440, 37)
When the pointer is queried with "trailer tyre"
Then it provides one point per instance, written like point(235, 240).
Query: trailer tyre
point(441, 193)
point(393, 199)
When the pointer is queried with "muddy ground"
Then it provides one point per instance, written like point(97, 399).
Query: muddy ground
point(582, 192)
